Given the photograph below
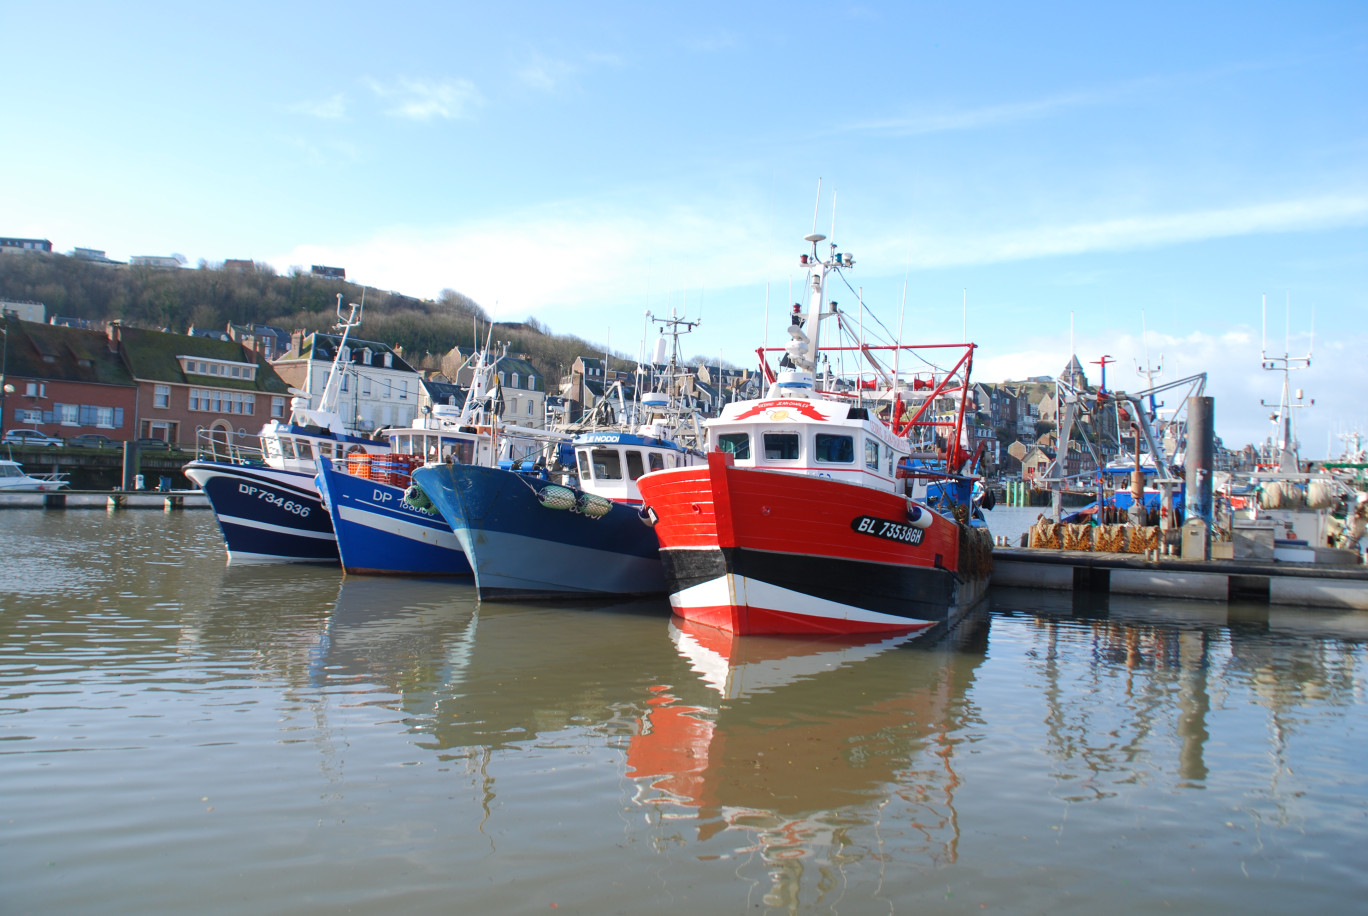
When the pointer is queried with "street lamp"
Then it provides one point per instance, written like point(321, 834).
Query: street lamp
point(5, 387)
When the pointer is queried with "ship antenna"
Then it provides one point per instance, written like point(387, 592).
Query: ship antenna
point(817, 207)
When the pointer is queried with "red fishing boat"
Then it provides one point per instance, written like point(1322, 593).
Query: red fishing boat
point(840, 501)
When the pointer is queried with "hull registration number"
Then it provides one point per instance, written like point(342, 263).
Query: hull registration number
point(888, 530)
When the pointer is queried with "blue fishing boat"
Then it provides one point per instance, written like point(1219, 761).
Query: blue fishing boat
point(528, 534)
point(265, 498)
point(379, 531)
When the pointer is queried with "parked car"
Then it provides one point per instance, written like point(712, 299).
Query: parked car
point(31, 437)
point(92, 440)
point(152, 445)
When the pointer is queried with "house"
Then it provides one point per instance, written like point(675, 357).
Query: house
point(378, 389)
point(1036, 463)
point(94, 255)
point(436, 390)
point(521, 386)
point(23, 309)
point(65, 381)
point(157, 262)
point(268, 340)
point(8, 245)
point(187, 385)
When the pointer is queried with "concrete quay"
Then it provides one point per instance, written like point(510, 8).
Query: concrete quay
point(1275, 582)
point(109, 500)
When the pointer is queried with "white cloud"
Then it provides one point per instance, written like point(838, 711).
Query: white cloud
point(1128, 233)
point(330, 109)
point(546, 74)
point(424, 100)
point(932, 122)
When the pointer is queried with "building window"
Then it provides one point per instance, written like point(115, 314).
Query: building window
point(365, 386)
point(403, 388)
point(35, 390)
point(104, 417)
point(277, 408)
point(161, 396)
point(529, 407)
point(515, 380)
point(69, 414)
point(388, 388)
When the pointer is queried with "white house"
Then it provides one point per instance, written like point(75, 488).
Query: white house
point(379, 389)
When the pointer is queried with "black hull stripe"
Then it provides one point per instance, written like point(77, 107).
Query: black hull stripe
point(901, 591)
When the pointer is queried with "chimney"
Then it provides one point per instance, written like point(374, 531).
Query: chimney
point(114, 333)
point(297, 342)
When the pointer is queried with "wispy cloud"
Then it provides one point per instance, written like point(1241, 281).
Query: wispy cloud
point(425, 100)
point(713, 42)
point(932, 122)
point(546, 74)
point(332, 108)
point(1134, 232)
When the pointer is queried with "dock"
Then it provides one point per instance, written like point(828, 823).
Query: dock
point(1270, 581)
point(109, 500)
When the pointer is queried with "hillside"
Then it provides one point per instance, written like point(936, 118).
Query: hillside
point(211, 296)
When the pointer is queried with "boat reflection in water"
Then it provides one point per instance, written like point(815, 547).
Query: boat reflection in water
point(797, 743)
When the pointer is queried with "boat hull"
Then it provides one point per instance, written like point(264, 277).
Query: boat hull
point(520, 549)
point(762, 552)
point(266, 515)
point(380, 534)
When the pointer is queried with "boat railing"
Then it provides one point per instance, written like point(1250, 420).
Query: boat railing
point(227, 447)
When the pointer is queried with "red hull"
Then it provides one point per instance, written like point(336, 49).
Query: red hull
point(756, 551)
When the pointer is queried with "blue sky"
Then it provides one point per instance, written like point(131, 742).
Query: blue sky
point(1096, 166)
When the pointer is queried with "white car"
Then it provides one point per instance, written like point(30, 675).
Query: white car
point(31, 437)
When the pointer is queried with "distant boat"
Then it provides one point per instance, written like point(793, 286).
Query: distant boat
point(266, 500)
point(14, 480)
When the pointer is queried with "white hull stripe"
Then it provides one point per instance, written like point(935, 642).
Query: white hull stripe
point(276, 529)
point(399, 528)
point(765, 596)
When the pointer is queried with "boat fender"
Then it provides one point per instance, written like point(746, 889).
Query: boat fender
point(594, 506)
point(918, 516)
point(648, 516)
point(415, 498)
point(556, 497)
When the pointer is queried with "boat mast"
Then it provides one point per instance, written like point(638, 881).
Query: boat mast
point(1289, 459)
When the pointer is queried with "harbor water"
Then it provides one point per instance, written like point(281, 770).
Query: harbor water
point(181, 736)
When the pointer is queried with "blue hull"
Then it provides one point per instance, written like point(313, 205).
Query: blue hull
point(522, 549)
point(266, 515)
point(377, 533)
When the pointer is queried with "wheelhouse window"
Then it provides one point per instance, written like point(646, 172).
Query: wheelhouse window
point(635, 467)
point(871, 454)
point(607, 464)
point(735, 444)
point(781, 446)
point(834, 449)
point(657, 462)
point(287, 448)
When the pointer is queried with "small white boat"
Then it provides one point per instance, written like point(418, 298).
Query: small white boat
point(14, 480)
